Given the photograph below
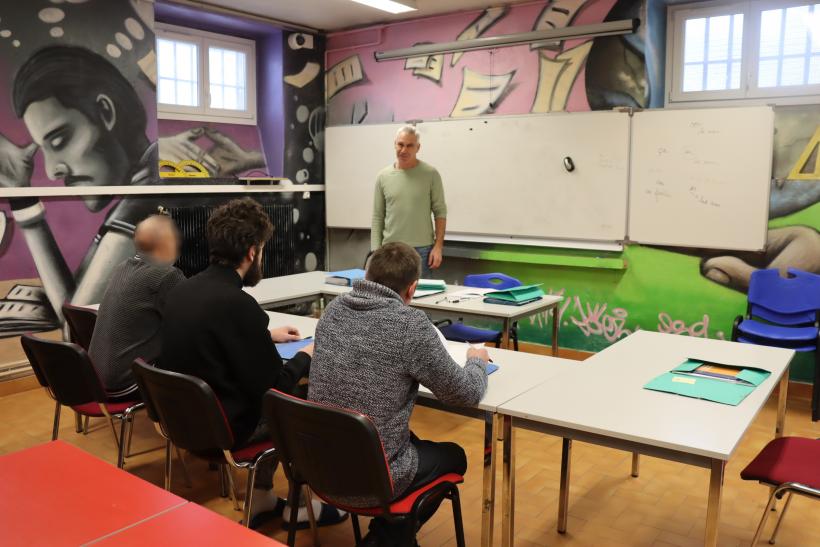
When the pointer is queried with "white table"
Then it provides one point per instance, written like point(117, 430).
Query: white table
point(602, 401)
point(517, 373)
point(306, 287)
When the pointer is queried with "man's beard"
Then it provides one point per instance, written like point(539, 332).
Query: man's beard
point(254, 274)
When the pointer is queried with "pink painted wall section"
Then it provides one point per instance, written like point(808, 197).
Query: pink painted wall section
point(389, 90)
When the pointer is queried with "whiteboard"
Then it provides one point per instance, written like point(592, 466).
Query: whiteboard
point(503, 175)
point(701, 177)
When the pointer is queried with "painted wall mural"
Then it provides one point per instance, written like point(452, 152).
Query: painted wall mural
point(78, 108)
point(682, 291)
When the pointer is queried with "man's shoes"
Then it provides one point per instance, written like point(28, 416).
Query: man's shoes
point(326, 515)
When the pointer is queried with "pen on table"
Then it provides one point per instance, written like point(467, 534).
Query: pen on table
point(480, 347)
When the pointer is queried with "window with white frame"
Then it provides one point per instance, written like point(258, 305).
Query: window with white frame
point(752, 51)
point(205, 76)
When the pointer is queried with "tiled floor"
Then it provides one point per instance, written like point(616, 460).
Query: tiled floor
point(665, 506)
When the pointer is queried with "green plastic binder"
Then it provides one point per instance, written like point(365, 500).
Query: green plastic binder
point(690, 380)
point(515, 295)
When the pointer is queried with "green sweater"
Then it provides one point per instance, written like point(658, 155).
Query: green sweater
point(402, 204)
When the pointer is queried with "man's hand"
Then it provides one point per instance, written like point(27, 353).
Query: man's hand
point(231, 158)
point(183, 147)
point(285, 334)
point(478, 352)
point(434, 260)
point(307, 349)
point(16, 164)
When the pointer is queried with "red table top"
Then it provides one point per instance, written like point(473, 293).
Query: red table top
point(190, 524)
point(56, 494)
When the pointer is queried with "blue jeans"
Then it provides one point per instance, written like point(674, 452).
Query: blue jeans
point(424, 253)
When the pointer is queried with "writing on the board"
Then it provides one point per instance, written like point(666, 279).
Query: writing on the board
point(699, 129)
point(701, 198)
point(659, 191)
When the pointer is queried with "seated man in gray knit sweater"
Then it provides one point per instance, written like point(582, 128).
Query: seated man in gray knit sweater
point(372, 352)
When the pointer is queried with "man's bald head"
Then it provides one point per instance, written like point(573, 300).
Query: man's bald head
point(157, 237)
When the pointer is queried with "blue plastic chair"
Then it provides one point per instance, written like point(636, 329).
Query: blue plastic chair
point(459, 332)
point(784, 312)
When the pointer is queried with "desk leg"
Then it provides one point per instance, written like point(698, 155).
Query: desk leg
point(488, 508)
point(713, 508)
point(563, 496)
point(782, 395)
point(505, 334)
point(555, 331)
point(508, 515)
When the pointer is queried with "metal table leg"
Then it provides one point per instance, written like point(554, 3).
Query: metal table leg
point(563, 496)
point(555, 330)
point(488, 503)
point(713, 508)
point(508, 515)
point(782, 395)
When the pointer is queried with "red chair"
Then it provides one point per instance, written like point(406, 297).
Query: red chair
point(191, 417)
point(790, 465)
point(72, 381)
point(338, 453)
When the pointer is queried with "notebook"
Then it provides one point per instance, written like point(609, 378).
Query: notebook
point(427, 287)
point(516, 296)
point(344, 278)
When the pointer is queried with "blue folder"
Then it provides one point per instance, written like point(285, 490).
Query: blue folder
point(288, 350)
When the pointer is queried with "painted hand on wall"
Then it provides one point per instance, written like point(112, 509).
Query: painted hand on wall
point(224, 158)
point(16, 164)
point(788, 247)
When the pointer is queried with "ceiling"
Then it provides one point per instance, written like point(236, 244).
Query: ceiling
point(331, 15)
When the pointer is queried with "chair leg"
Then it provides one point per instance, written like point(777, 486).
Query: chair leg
point(780, 518)
point(357, 532)
point(249, 494)
point(765, 517)
point(85, 425)
point(78, 422)
point(185, 474)
point(311, 517)
point(232, 489)
point(168, 465)
point(125, 419)
point(55, 429)
point(130, 436)
point(457, 521)
point(293, 501)
point(223, 481)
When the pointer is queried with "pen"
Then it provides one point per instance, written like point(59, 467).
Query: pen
point(479, 347)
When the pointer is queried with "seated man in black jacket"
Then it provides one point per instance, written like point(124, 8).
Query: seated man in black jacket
point(214, 330)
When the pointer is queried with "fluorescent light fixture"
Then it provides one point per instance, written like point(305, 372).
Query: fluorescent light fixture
point(390, 6)
point(625, 26)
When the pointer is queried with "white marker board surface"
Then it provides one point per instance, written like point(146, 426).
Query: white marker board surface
point(701, 177)
point(503, 175)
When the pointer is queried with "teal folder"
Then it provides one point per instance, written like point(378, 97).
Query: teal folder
point(687, 380)
point(515, 295)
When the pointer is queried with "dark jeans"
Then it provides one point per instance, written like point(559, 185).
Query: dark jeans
point(424, 253)
point(435, 460)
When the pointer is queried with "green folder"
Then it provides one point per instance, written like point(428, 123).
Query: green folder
point(517, 294)
point(431, 285)
point(687, 381)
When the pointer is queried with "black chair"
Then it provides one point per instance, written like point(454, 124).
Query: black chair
point(81, 322)
point(338, 453)
point(71, 379)
point(191, 417)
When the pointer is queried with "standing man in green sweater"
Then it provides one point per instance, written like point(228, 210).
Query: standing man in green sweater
point(408, 194)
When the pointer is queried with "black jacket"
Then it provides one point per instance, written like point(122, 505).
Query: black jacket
point(214, 330)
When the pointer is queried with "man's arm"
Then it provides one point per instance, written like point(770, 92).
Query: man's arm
point(438, 206)
point(377, 224)
point(431, 365)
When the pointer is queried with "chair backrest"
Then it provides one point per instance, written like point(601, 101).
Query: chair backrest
point(81, 323)
point(185, 407)
point(497, 281)
point(67, 369)
point(337, 452)
point(790, 300)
